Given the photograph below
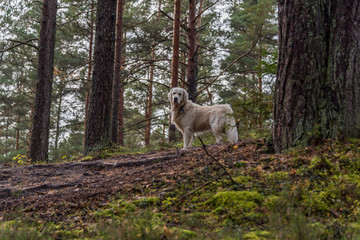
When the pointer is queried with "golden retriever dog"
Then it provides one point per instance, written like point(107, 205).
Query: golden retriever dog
point(191, 118)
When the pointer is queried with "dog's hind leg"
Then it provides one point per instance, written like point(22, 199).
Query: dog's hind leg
point(231, 131)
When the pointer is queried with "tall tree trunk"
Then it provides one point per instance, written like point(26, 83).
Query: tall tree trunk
point(149, 102)
point(30, 130)
point(17, 146)
point(39, 143)
point(88, 80)
point(150, 90)
point(97, 134)
point(175, 59)
point(121, 132)
point(58, 112)
point(7, 136)
point(117, 73)
point(192, 63)
point(317, 87)
point(183, 69)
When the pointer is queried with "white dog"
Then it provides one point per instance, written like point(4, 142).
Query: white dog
point(191, 118)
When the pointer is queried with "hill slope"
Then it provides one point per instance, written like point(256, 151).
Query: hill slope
point(308, 193)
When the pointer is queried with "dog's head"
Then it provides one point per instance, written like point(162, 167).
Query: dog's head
point(178, 96)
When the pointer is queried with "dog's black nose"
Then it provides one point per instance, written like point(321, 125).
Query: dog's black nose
point(175, 99)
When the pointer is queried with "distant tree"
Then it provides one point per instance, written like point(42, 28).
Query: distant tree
point(118, 86)
point(251, 65)
point(148, 113)
point(318, 80)
point(97, 135)
point(192, 57)
point(175, 57)
point(62, 86)
point(41, 121)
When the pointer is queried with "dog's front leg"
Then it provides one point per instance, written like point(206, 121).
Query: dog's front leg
point(187, 135)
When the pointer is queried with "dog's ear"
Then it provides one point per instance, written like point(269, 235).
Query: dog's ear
point(186, 95)
point(170, 98)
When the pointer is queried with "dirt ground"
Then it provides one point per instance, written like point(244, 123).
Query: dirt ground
point(52, 191)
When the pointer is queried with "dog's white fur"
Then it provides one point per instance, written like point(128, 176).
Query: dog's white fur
point(191, 118)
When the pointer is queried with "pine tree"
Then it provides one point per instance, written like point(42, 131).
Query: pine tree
point(41, 122)
point(317, 88)
point(118, 88)
point(97, 134)
point(175, 58)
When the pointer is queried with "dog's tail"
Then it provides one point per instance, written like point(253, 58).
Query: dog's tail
point(231, 130)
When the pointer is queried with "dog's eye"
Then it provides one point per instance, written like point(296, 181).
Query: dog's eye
point(180, 94)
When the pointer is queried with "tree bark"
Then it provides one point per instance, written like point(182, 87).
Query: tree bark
point(121, 100)
point(150, 88)
point(149, 101)
point(175, 59)
point(58, 111)
point(39, 142)
point(88, 80)
point(97, 134)
point(317, 88)
point(17, 146)
point(192, 63)
point(176, 44)
point(117, 74)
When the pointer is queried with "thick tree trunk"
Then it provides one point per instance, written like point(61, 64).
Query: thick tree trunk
point(117, 73)
point(175, 59)
point(317, 88)
point(97, 134)
point(39, 142)
point(88, 80)
point(192, 63)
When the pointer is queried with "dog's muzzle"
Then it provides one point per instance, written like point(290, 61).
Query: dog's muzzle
point(175, 100)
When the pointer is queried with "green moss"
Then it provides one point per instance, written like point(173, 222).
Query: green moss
point(236, 205)
point(147, 202)
point(271, 202)
point(142, 225)
point(229, 198)
point(299, 161)
point(278, 176)
point(118, 208)
point(25, 229)
point(87, 158)
point(185, 234)
point(317, 202)
point(322, 163)
point(257, 235)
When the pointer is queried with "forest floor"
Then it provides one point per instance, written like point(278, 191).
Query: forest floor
point(218, 192)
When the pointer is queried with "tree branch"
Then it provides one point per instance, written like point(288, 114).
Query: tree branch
point(206, 9)
point(225, 69)
point(19, 43)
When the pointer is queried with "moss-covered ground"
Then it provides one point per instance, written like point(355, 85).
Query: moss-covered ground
point(305, 193)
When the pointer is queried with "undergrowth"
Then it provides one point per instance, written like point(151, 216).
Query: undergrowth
point(307, 193)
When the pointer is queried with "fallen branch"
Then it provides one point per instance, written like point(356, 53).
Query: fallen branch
point(218, 162)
